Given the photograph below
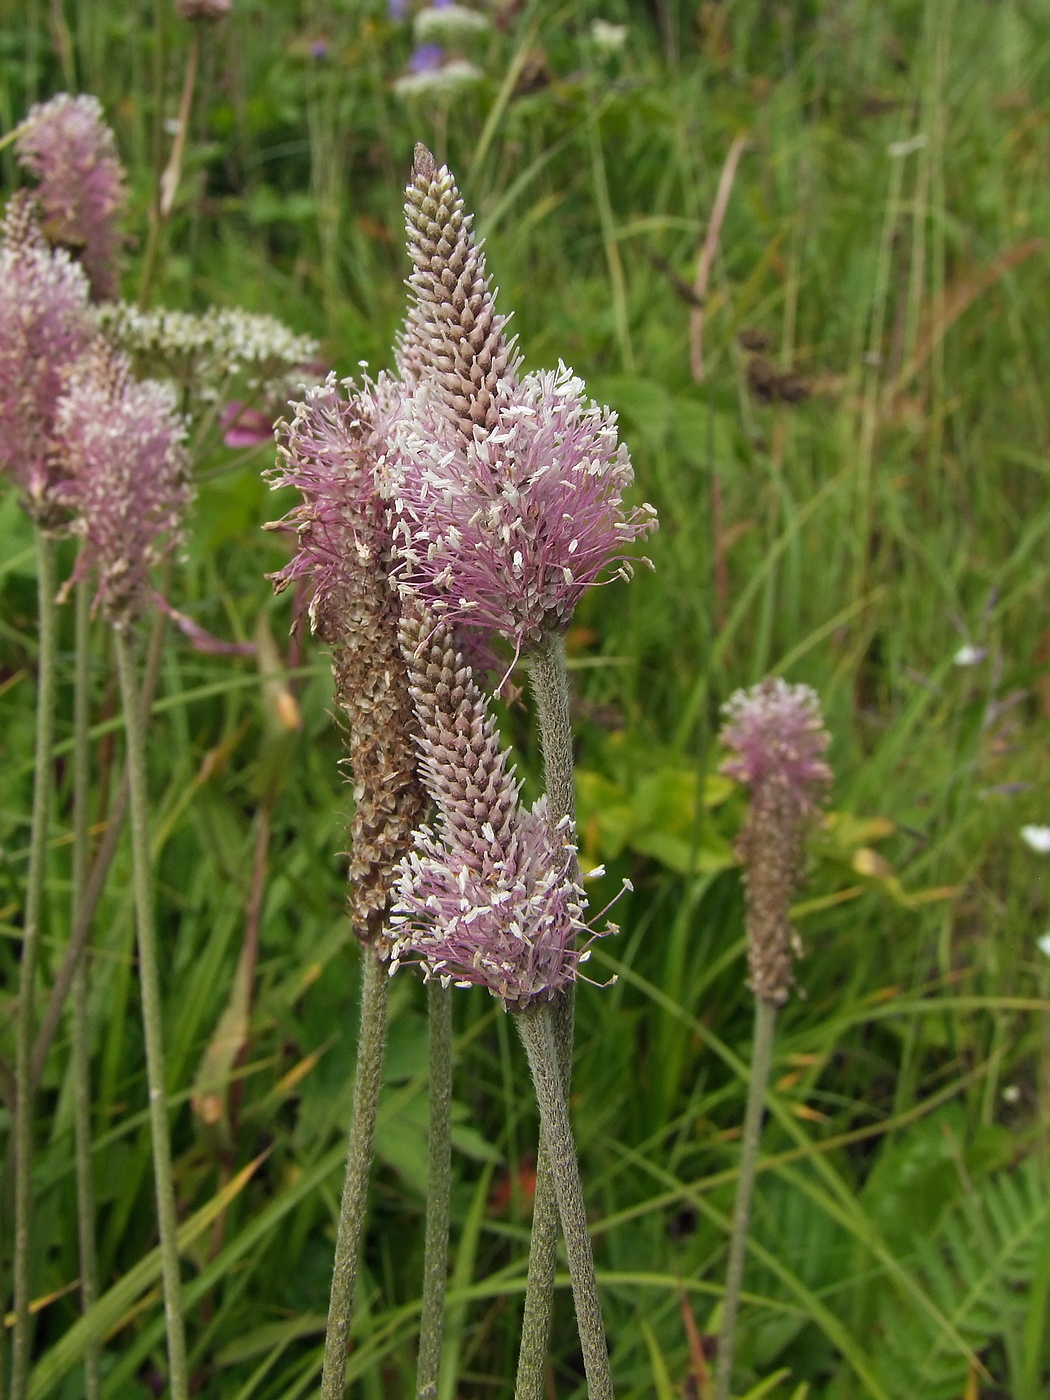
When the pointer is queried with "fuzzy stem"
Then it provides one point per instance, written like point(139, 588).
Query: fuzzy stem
point(149, 978)
point(99, 870)
point(439, 1187)
point(550, 689)
point(537, 1033)
point(761, 1058)
point(23, 1128)
point(367, 1083)
point(81, 1048)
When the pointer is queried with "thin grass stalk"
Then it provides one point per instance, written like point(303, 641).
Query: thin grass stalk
point(761, 1058)
point(367, 1083)
point(536, 1029)
point(550, 689)
point(23, 1126)
point(149, 979)
point(81, 1046)
point(439, 1190)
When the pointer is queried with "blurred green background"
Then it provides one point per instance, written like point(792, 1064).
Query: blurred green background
point(854, 494)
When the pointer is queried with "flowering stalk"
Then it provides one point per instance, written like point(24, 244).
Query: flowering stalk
point(81, 1039)
point(439, 1191)
point(490, 897)
point(23, 1127)
point(329, 453)
point(550, 689)
point(778, 737)
point(120, 446)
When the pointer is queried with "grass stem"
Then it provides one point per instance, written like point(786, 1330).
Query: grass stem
point(149, 979)
point(367, 1083)
point(761, 1058)
point(536, 1029)
point(81, 1037)
point(23, 1127)
point(439, 1188)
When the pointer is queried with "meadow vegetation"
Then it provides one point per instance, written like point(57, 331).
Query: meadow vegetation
point(852, 490)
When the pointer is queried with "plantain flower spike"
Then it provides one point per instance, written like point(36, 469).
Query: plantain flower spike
point(777, 736)
point(67, 145)
point(508, 491)
point(45, 325)
point(125, 478)
point(344, 552)
point(489, 896)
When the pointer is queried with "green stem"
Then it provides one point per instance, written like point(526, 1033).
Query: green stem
point(550, 688)
point(81, 1049)
point(761, 1058)
point(439, 1187)
point(537, 1033)
point(23, 1127)
point(149, 978)
point(367, 1083)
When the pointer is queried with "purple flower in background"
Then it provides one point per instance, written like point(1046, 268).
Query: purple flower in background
point(427, 58)
point(397, 9)
point(778, 733)
point(69, 148)
point(121, 445)
point(506, 530)
point(45, 324)
point(489, 896)
point(245, 426)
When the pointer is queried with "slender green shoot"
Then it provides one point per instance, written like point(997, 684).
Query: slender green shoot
point(149, 979)
point(761, 1058)
point(439, 1188)
point(367, 1083)
point(23, 1126)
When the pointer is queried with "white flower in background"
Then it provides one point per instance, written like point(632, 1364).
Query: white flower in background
point(451, 78)
point(1038, 837)
point(1043, 944)
point(448, 24)
point(969, 655)
point(608, 38)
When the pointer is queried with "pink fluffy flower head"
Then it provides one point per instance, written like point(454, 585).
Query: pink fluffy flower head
point(489, 896)
point(121, 446)
point(328, 453)
point(44, 326)
point(506, 529)
point(69, 148)
point(778, 734)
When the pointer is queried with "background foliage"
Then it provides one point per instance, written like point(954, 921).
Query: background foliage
point(868, 455)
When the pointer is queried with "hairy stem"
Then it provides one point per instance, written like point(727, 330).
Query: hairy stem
point(367, 1082)
point(550, 689)
point(439, 1187)
point(23, 1127)
point(149, 979)
point(537, 1033)
point(96, 880)
point(81, 1047)
point(761, 1058)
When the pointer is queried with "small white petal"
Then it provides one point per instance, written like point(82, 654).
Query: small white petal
point(1038, 837)
point(969, 655)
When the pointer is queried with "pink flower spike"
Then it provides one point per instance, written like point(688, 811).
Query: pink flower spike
point(778, 734)
point(120, 442)
point(506, 530)
point(69, 148)
point(45, 324)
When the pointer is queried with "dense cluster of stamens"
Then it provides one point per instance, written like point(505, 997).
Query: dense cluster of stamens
point(488, 896)
point(328, 453)
point(778, 737)
point(45, 325)
point(69, 148)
